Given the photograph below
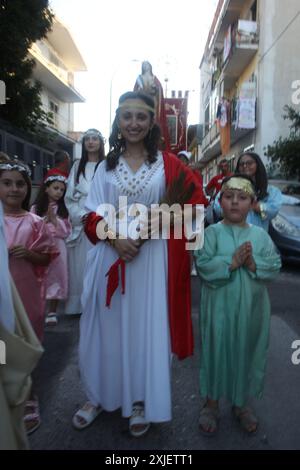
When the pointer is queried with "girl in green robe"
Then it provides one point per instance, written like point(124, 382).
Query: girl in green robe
point(233, 264)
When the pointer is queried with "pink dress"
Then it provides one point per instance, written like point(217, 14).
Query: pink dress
point(57, 275)
point(30, 231)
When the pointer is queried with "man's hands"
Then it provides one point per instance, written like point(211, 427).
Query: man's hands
point(243, 257)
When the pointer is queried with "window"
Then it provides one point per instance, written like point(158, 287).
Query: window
point(206, 119)
point(253, 11)
point(172, 126)
point(53, 107)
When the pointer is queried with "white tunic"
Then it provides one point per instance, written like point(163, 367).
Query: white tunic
point(77, 243)
point(124, 350)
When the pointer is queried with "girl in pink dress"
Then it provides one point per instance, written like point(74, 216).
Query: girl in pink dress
point(31, 248)
point(50, 205)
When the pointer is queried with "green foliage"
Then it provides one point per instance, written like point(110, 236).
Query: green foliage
point(286, 151)
point(22, 23)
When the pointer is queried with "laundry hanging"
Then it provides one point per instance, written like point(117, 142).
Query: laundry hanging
point(245, 113)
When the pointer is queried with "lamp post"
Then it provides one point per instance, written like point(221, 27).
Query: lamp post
point(110, 99)
point(111, 88)
point(166, 87)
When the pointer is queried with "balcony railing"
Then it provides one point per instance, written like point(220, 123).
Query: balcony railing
point(247, 33)
point(60, 122)
point(211, 140)
point(244, 46)
point(53, 77)
point(39, 159)
point(58, 71)
point(211, 135)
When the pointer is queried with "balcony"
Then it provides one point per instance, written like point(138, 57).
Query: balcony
point(54, 77)
point(211, 143)
point(243, 48)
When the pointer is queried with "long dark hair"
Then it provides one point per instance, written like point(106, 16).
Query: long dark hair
point(117, 144)
point(261, 179)
point(26, 202)
point(84, 154)
point(42, 201)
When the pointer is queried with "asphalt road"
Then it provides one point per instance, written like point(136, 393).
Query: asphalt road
point(60, 392)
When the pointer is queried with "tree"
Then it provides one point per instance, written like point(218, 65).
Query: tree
point(286, 151)
point(22, 23)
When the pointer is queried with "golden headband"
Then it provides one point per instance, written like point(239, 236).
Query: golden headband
point(132, 103)
point(242, 184)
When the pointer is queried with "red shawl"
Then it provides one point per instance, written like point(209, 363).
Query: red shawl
point(179, 267)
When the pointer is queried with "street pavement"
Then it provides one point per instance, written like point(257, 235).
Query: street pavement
point(59, 389)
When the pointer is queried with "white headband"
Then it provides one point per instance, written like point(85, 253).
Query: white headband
point(61, 178)
point(15, 166)
point(95, 132)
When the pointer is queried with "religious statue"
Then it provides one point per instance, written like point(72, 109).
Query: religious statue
point(149, 84)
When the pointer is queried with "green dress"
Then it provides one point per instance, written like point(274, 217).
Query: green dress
point(234, 313)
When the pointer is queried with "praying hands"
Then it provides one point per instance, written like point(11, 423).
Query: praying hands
point(243, 257)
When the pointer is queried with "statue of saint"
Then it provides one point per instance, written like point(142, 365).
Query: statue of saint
point(148, 83)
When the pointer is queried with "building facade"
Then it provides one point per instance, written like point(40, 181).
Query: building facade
point(248, 72)
point(57, 59)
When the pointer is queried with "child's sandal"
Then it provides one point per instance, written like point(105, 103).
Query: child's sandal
point(246, 418)
point(209, 419)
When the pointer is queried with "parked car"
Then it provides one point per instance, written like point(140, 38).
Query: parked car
point(285, 227)
point(291, 188)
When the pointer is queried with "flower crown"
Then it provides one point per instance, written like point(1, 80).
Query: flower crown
point(10, 166)
point(93, 132)
point(61, 178)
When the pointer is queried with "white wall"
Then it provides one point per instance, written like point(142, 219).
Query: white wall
point(278, 67)
point(205, 90)
point(65, 117)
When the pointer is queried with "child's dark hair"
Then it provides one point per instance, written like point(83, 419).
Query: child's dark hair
point(84, 154)
point(237, 175)
point(117, 142)
point(42, 201)
point(26, 202)
point(60, 156)
point(261, 179)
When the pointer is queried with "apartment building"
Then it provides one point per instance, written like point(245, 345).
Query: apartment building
point(57, 59)
point(248, 71)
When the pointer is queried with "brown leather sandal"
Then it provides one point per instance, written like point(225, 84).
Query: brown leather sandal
point(209, 419)
point(246, 418)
